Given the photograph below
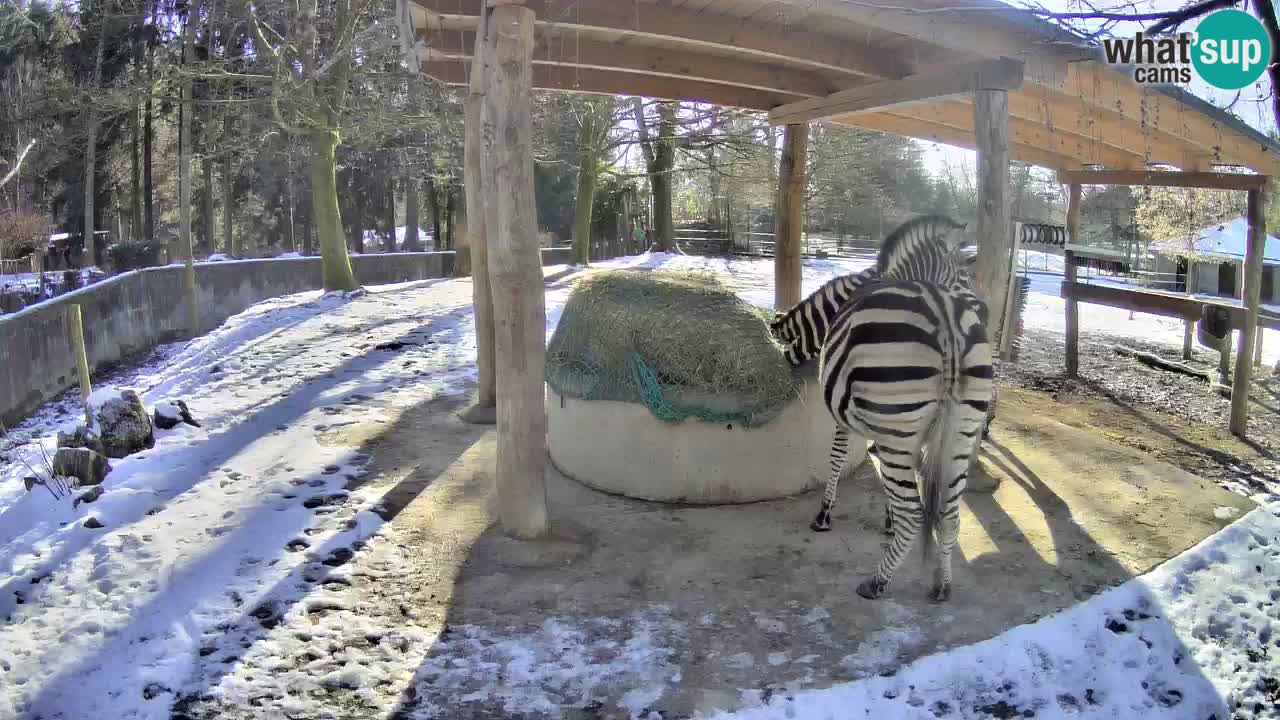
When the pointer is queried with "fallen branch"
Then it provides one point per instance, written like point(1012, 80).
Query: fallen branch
point(1160, 363)
point(17, 164)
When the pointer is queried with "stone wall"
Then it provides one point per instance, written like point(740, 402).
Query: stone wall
point(138, 310)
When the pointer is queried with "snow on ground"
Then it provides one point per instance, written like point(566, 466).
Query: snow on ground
point(220, 545)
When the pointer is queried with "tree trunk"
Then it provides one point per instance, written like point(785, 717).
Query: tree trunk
point(433, 205)
point(91, 150)
point(334, 260)
point(148, 140)
point(450, 214)
point(389, 210)
point(184, 183)
point(586, 196)
point(664, 164)
point(411, 242)
point(135, 173)
point(357, 215)
point(206, 195)
point(228, 192)
point(789, 223)
point(515, 269)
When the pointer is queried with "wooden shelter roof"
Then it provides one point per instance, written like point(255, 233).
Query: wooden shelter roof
point(1068, 110)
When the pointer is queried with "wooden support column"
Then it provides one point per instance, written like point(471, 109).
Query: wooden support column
point(991, 129)
point(1257, 346)
point(1250, 296)
point(1069, 275)
point(515, 271)
point(473, 237)
point(789, 221)
point(1187, 327)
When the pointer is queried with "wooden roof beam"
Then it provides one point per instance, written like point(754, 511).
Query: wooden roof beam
point(923, 130)
point(735, 36)
point(984, 27)
point(574, 53)
point(1001, 74)
point(1160, 178)
point(1092, 84)
point(612, 82)
point(959, 116)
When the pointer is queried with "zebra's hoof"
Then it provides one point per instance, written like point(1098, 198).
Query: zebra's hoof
point(870, 588)
point(822, 523)
point(941, 592)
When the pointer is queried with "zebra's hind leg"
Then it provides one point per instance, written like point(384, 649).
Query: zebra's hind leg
point(875, 465)
point(899, 480)
point(839, 451)
point(948, 532)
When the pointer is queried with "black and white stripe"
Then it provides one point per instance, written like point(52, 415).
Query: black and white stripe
point(907, 365)
point(803, 328)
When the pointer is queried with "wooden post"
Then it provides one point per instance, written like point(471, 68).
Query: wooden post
point(1257, 348)
point(1187, 326)
point(484, 411)
point(991, 129)
point(1069, 275)
point(787, 225)
point(1250, 295)
point(75, 335)
point(515, 271)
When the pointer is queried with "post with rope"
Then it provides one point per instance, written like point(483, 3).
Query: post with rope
point(1069, 279)
point(789, 222)
point(515, 269)
point(1250, 297)
point(474, 238)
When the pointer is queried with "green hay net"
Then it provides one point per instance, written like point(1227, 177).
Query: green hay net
point(681, 344)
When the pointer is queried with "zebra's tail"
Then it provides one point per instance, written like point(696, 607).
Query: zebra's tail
point(943, 443)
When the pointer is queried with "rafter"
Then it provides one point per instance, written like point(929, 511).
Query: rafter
point(646, 60)
point(922, 130)
point(765, 41)
point(1000, 74)
point(602, 82)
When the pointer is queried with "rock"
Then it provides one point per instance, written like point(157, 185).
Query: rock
point(82, 437)
point(88, 496)
point(124, 426)
point(92, 523)
point(169, 414)
point(85, 465)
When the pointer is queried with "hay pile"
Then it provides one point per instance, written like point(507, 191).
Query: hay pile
point(682, 344)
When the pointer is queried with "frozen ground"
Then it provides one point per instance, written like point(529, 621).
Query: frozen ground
point(220, 567)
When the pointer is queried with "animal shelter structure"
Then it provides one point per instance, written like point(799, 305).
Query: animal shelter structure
point(971, 73)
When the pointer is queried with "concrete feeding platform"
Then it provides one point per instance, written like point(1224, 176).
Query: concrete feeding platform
point(622, 448)
point(745, 596)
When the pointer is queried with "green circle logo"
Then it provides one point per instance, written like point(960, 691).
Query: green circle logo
point(1232, 49)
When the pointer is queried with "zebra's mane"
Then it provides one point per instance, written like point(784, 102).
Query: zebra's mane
point(917, 235)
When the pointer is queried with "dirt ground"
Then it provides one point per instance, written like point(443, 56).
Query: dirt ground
point(717, 599)
point(1173, 417)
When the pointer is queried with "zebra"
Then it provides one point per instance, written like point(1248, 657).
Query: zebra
point(906, 364)
point(803, 329)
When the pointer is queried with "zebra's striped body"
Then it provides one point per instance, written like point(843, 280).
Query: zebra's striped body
point(804, 328)
point(907, 365)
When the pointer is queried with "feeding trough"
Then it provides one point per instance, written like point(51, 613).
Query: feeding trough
point(668, 387)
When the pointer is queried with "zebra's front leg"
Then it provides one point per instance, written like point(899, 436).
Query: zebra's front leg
point(839, 451)
point(907, 516)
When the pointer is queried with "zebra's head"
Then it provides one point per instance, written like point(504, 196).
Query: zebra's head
point(783, 330)
point(925, 249)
